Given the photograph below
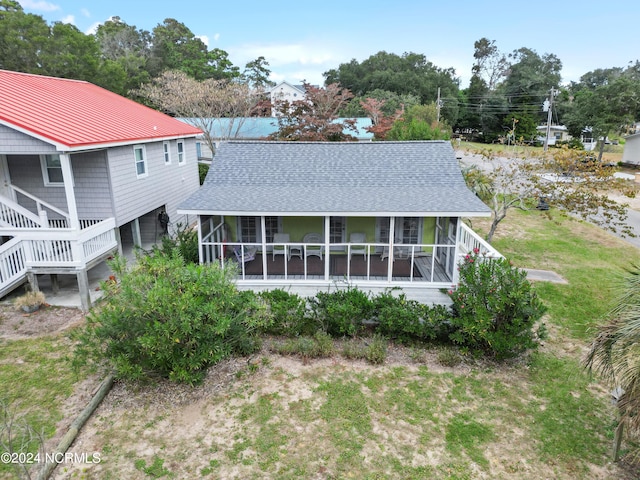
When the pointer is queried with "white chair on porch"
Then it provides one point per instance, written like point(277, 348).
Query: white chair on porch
point(313, 245)
point(280, 249)
point(358, 248)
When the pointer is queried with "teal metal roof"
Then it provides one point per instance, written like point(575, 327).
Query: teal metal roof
point(258, 128)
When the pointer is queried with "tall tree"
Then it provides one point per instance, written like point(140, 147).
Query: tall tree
point(256, 73)
point(22, 38)
point(605, 101)
point(314, 118)
point(127, 46)
point(204, 103)
point(381, 122)
point(410, 73)
point(175, 47)
point(490, 64)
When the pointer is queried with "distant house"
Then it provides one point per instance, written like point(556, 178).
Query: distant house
point(285, 91)
point(319, 213)
point(631, 153)
point(557, 133)
point(84, 171)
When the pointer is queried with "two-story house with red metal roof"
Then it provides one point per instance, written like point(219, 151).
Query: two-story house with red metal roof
point(82, 172)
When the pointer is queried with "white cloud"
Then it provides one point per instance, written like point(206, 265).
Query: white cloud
point(93, 28)
point(41, 5)
point(68, 19)
point(216, 37)
point(85, 12)
point(292, 62)
point(204, 38)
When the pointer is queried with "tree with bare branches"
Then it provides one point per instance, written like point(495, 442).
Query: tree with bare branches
point(315, 118)
point(203, 104)
point(567, 182)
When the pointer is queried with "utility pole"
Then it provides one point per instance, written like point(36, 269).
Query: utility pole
point(547, 107)
point(438, 107)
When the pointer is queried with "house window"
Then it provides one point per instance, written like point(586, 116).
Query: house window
point(140, 156)
point(52, 170)
point(167, 153)
point(199, 150)
point(181, 157)
point(248, 230)
point(272, 226)
point(336, 229)
point(411, 230)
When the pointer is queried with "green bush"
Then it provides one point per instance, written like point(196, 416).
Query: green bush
point(183, 240)
point(376, 350)
point(203, 169)
point(342, 313)
point(320, 345)
point(494, 308)
point(170, 318)
point(408, 320)
point(289, 312)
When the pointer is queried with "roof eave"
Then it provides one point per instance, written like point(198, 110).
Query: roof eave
point(238, 213)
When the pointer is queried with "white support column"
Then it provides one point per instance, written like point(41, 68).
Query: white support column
point(327, 246)
point(263, 235)
point(67, 178)
point(135, 232)
point(200, 255)
point(456, 252)
point(392, 238)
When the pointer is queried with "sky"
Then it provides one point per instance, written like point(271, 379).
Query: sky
point(302, 40)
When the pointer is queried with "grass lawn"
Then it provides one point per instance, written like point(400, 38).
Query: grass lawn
point(413, 417)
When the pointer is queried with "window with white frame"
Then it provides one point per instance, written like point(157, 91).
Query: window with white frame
point(250, 231)
point(167, 152)
point(140, 155)
point(52, 170)
point(181, 155)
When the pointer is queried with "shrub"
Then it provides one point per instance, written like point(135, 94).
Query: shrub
point(376, 350)
point(183, 240)
point(408, 320)
point(494, 308)
point(342, 312)
point(318, 346)
point(203, 169)
point(170, 318)
point(289, 312)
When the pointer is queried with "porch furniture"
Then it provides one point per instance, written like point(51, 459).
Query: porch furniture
point(359, 248)
point(400, 253)
point(249, 254)
point(313, 245)
point(280, 249)
point(295, 249)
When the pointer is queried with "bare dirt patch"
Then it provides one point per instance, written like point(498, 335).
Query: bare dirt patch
point(49, 320)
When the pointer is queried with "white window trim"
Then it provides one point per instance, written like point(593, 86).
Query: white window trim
point(166, 152)
point(182, 157)
point(144, 161)
point(45, 171)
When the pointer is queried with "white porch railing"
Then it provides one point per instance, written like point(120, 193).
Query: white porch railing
point(365, 262)
point(12, 264)
point(47, 247)
point(43, 207)
point(469, 241)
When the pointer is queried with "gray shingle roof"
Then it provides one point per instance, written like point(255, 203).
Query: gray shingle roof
point(280, 178)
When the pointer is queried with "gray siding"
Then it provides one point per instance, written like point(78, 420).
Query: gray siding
point(164, 185)
point(12, 141)
point(91, 184)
